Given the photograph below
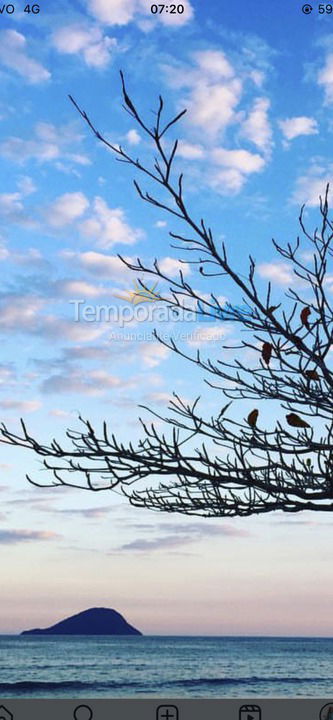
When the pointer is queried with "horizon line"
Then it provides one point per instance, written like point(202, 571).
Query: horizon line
point(263, 636)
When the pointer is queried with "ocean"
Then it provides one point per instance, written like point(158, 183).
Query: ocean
point(158, 666)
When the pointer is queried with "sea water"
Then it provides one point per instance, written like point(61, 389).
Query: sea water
point(159, 666)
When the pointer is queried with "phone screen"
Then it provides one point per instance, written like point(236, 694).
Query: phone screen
point(166, 319)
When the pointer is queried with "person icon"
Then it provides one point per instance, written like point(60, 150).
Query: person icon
point(83, 712)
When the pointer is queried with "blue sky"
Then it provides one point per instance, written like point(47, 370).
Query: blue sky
point(257, 81)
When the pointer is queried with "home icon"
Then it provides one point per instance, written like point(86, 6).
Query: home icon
point(5, 714)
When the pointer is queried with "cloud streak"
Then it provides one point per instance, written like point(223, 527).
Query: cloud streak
point(14, 56)
point(179, 535)
point(14, 537)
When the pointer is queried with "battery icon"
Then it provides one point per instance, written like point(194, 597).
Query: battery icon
point(250, 712)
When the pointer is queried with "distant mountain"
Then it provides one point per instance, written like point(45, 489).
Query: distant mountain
point(95, 621)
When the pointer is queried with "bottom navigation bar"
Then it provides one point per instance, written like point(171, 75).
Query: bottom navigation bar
point(167, 709)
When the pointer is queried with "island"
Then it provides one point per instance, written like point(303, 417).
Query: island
point(94, 621)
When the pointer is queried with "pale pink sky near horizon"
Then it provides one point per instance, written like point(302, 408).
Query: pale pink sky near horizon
point(177, 576)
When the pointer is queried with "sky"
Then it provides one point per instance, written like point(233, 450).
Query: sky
point(255, 144)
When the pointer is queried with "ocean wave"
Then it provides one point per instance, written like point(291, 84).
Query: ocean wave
point(63, 685)
point(244, 681)
point(77, 685)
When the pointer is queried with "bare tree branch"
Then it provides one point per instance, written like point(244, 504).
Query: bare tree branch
point(221, 466)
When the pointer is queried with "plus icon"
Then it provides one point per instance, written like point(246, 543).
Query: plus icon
point(167, 712)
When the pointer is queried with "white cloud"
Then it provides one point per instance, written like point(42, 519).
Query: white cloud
point(13, 55)
point(280, 273)
point(10, 203)
point(21, 150)
point(63, 134)
point(214, 63)
point(258, 77)
point(90, 43)
point(81, 289)
point(49, 143)
point(4, 252)
point(153, 354)
point(171, 267)
point(313, 184)
point(47, 132)
point(214, 90)
point(205, 335)
point(23, 314)
point(122, 12)
point(113, 12)
point(52, 326)
point(96, 383)
point(300, 125)
point(236, 166)
point(109, 266)
point(325, 78)
point(160, 398)
point(20, 405)
point(31, 257)
point(256, 126)
point(59, 413)
point(66, 208)
point(77, 158)
point(189, 151)
point(328, 281)
point(19, 312)
point(241, 160)
point(212, 107)
point(26, 185)
point(12, 206)
point(133, 137)
point(215, 95)
point(11, 537)
point(226, 182)
point(108, 226)
point(7, 375)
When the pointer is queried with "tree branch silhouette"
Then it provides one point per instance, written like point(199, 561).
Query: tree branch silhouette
point(220, 466)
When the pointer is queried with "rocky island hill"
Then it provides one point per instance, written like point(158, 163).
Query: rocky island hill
point(95, 621)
